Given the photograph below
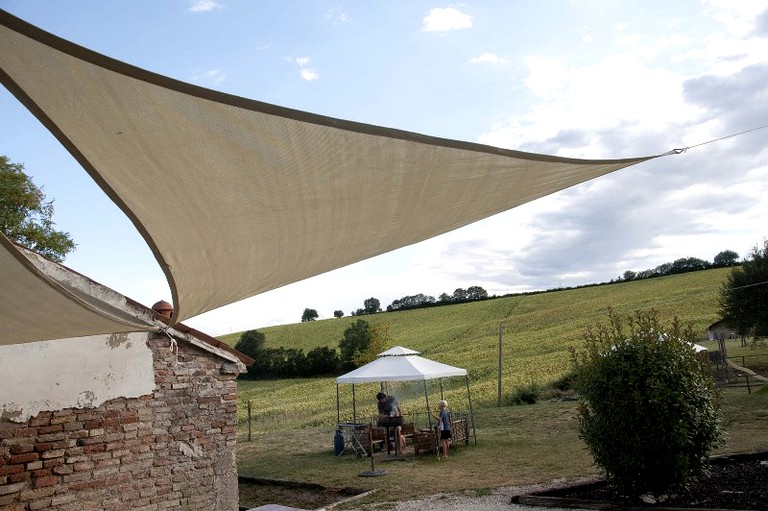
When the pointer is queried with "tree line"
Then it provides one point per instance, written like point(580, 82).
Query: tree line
point(460, 295)
point(360, 344)
point(373, 305)
point(724, 259)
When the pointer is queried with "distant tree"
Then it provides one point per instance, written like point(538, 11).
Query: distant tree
point(261, 368)
point(380, 341)
point(338, 314)
point(725, 258)
point(411, 302)
point(460, 295)
point(662, 269)
point(295, 363)
point(251, 343)
point(687, 264)
point(445, 298)
point(371, 306)
point(476, 293)
point(629, 275)
point(309, 315)
point(322, 361)
point(744, 294)
point(25, 217)
point(646, 274)
point(356, 339)
point(286, 363)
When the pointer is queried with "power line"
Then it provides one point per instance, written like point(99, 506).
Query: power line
point(684, 149)
point(747, 285)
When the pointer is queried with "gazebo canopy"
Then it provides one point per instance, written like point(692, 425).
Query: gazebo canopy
point(400, 364)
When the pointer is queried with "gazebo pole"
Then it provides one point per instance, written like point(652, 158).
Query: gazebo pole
point(354, 409)
point(471, 414)
point(426, 399)
point(338, 412)
point(441, 388)
point(436, 446)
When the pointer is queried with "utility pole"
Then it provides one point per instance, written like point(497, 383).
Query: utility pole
point(498, 400)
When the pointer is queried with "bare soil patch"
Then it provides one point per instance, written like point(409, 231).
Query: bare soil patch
point(255, 492)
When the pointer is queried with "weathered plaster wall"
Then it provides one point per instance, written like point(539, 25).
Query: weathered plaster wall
point(171, 449)
point(80, 372)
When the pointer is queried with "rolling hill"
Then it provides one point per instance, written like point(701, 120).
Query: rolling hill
point(538, 330)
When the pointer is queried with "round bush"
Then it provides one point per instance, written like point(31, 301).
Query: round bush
point(649, 411)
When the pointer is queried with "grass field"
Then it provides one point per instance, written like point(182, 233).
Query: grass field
point(538, 330)
point(516, 445)
point(294, 420)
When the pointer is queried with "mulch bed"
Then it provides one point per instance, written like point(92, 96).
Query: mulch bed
point(259, 491)
point(737, 482)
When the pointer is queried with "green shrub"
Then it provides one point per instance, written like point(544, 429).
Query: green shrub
point(525, 395)
point(649, 411)
point(565, 382)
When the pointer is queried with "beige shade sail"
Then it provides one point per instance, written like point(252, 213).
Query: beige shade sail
point(237, 197)
point(41, 300)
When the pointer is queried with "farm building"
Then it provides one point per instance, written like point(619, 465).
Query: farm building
point(119, 420)
point(722, 329)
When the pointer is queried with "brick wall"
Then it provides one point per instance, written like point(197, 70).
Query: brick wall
point(174, 449)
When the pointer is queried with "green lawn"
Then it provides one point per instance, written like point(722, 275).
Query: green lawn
point(516, 445)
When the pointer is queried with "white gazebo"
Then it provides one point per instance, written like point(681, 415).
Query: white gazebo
point(402, 364)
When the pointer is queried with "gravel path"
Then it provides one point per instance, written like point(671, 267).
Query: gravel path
point(497, 500)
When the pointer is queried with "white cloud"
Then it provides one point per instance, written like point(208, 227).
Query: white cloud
point(490, 58)
point(305, 71)
point(203, 5)
point(546, 76)
point(337, 16)
point(738, 18)
point(448, 18)
point(580, 106)
point(212, 77)
point(309, 74)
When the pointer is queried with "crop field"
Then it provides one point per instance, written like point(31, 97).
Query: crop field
point(537, 332)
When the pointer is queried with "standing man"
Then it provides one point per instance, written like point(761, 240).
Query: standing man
point(390, 415)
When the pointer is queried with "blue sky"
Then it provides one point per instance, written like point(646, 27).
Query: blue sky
point(588, 79)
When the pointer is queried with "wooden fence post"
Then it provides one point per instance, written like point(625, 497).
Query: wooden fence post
point(249, 420)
